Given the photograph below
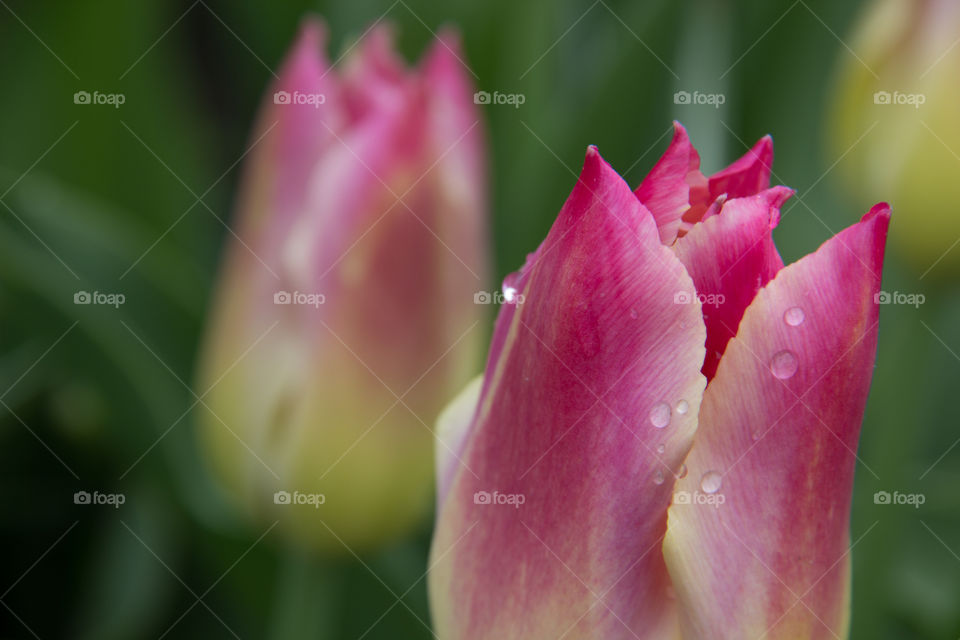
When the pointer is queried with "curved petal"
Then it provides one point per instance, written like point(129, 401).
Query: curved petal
point(673, 183)
point(730, 256)
point(553, 524)
point(758, 535)
point(374, 76)
point(290, 137)
point(747, 176)
point(453, 425)
point(374, 248)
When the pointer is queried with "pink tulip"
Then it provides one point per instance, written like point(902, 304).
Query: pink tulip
point(663, 443)
point(344, 315)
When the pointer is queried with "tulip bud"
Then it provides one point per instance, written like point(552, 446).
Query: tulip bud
point(894, 122)
point(663, 443)
point(344, 314)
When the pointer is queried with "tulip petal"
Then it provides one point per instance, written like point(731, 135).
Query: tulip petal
point(289, 139)
point(453, 425)
point(341, 392)
point(747, 176)
point(758, 536)
point(730, 256)
point(577, 368)
point(374, 77)
point(673, 183)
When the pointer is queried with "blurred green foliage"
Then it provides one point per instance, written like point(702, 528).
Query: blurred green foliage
point(137, 199)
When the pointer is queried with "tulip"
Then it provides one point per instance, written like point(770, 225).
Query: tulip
point(662, 445)
point(344, 314)
point(894, 122)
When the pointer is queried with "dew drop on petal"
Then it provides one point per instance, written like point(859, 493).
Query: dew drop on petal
point(509, 294)
point(784, 364)
point(794, 316)
point(710, 483)
point(660, 415)
point(682, 407)
point(756, 435)
point(661, 448)
point(658, 477)
point(682, 472)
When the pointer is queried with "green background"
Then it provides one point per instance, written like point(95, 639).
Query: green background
point(87, 190)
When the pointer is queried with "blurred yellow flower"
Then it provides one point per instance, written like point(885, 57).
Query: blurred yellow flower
point(894, 118)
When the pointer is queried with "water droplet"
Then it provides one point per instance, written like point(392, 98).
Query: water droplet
point(660, 415)
point(710, 483)
point(784, 364)
point(634, 314)
point(682, 407)
point(756, 435)
point(509, 294)
point(794, 316)
point(682, 472)
point(658, 477)
point(661, 448)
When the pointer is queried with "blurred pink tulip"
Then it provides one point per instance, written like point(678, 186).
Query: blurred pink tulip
point(663, 443)
point(344, 314)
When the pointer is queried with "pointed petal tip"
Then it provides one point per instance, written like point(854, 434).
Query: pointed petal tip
point(594, 168)
point(775, 197)
point(312, 30)
point(449, 37)
point(882, 209)
point(307, 56)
